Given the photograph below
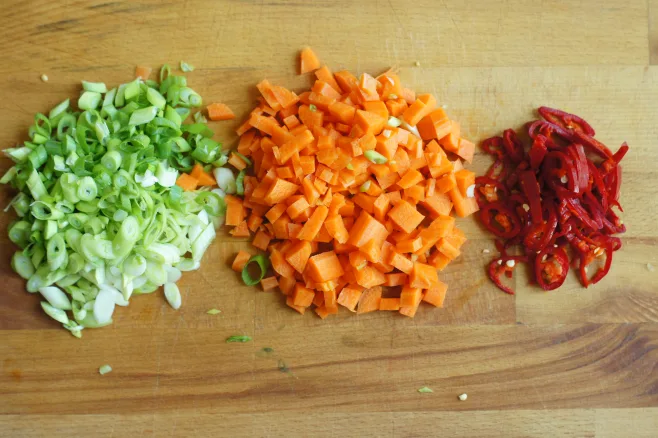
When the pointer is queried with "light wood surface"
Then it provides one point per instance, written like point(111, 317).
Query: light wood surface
point(573, 362)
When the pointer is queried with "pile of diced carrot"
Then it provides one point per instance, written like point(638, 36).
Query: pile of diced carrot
point(340, 229)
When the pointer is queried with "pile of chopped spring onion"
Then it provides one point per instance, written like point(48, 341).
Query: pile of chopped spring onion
point(100, 217)
point(554, 197)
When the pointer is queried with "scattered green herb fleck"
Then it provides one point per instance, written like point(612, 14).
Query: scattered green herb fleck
point(268, 350)
point(213, 311)
point(238, 339)
point(184, 66)
point(104, 369)
point(425, 390)
point(313, 107)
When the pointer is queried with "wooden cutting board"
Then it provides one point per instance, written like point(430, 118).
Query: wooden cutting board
point(572, 362)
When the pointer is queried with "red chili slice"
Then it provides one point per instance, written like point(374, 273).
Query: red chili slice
point(513, 145)
point(498, 267)
point(587, 258)
point(566, 120)
point(537, 151)
point(508, 222)
point(551, 267)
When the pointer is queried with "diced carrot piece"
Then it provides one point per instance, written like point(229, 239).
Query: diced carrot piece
point(240, 261)
point(284, 97)
point(465, 179)
point(466, 150)
point(336, 228)
point(187, 182)
point(410, 178)
point(325, 89)
point(365, 229)
point(437, 204)
point(389, 304)
point(419, 109)
point(446, 183)
point(314, 223)
point(397, 279)
point(267, 92)
point(343, 112)
point(449, 141)
point(325, 75)
point(409, 311)
point(410, 296)
point(405, 216)
point(143, 72)
point(409, 245)
point(369, 300)
point(368, 87)
point(456, 238)
point(279, 191)
point(436, 294)
point(297, 208)
point(349, 298)
point(346, 81)
point(330, 301)
point(324, 267)
point(423, 276)
point(280, 265)
point(464, 206)
point(372, 251)
point(237, 162)
point(275, 212)
point(414, 194)
point(369, 277)
point(308, 61)
point(378, 107)
point(234, 211)
point(290, 303)
point(438, 260)
point(269, 283)
point(298, 254)
point(396, 107)
point(371, 123)
point(253, 222)
point(241, 230)
point(286, 284)
point(402, 263)
point(302, 296)
point(261, 240)
point(447, 249)
point(219, 111)
point(434, 125)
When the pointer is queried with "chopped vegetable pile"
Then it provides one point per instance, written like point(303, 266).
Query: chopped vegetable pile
point(100, 217)
point(556, 193)
point(353, 185)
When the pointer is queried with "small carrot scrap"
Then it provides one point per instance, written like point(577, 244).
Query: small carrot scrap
point(308, 61)
point(143, 72)
point(187, 182)
point(240, 261)
point(269, 283)
point(347, 201)
point(219, 111)
point(203, 178)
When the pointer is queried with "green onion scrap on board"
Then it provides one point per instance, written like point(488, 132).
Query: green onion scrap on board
point(100, 217)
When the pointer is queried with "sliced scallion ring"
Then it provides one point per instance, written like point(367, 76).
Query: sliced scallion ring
point(263, 264)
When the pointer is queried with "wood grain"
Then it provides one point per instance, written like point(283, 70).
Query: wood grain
point(358, 366)
point(653, 31)
point(572, 362)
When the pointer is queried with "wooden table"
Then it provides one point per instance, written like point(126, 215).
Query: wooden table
point(573, 362)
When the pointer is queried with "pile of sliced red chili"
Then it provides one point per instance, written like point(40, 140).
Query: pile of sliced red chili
point(555, 193)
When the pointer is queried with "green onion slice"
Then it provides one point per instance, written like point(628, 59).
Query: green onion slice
point(263, 264)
